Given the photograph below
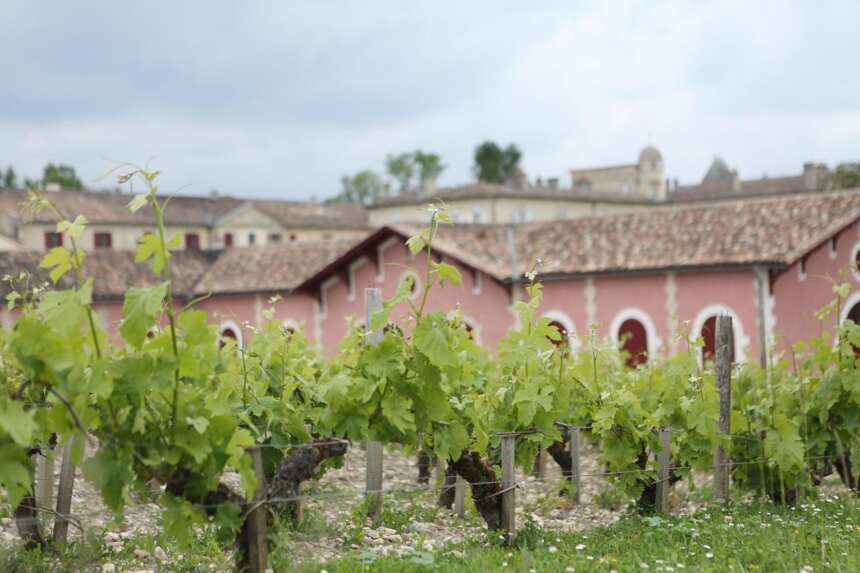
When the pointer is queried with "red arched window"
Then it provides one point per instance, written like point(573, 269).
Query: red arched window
point(634, 342)
point(709, 337)
point(854, 316)
point(470, 329)
point(563, 341)
point(857, 260)
point(225, 334)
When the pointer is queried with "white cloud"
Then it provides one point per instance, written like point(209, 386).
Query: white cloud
point(282, 100)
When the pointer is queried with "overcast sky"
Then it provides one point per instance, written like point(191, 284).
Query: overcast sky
point(282, 99)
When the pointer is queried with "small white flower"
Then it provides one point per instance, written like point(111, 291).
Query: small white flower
point(569, 569)
point(644, 565)
point(590, 557)
point(709, 555)
point(580, 547)
point(504, 563)
point(552, 549)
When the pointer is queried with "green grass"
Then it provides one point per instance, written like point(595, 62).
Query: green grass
point(823, 535)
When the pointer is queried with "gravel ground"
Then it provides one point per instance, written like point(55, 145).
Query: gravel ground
point(411, 520)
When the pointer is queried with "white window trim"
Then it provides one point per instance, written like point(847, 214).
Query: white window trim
point(633, 312)
point(741, 339)
point(852, 300)
point(477, 281)
point(351, 275)
point(327, 284)
point(380, 256)
point(833, 247)
point(234, 326)
point(801, 269)
point(415, 278)
point(564, 319)
point(853, 262)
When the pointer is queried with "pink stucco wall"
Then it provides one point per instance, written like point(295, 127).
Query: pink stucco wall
point(484, 302)
point(797, 296)
point(734, 292)
point(666, 303)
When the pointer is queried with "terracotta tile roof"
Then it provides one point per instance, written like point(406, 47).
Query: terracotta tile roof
point(113, 271)
point(308, 214)
point(774, 231)
point(715, 190)
point(493, 191)
point(275, 267)
point(765, 231)
point(111, 207)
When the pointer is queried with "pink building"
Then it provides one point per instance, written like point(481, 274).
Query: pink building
point(644, 278)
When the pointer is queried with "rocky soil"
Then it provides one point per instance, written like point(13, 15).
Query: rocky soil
point(332, 525)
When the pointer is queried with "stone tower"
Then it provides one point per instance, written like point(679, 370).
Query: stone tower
point(651, 179)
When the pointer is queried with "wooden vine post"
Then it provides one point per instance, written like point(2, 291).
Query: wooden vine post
point(373, 476)
point(509, 485)
point(573, 436)
point(258, 535)
point(45, 478)
point(64, 495)
point(664, 460)
point(723, 358)
point(460, 496)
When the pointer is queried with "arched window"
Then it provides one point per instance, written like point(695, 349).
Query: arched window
point(709, 337)
point(562, 322)
point(229, 331)
point(634, 342)
point(562, 330)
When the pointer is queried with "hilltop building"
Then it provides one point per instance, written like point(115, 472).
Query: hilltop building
point(603, 190)
point(204, 223)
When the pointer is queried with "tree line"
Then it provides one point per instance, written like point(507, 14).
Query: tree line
point(418, 170)
point(60, 174)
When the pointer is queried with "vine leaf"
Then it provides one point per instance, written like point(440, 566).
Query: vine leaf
point(138, 312)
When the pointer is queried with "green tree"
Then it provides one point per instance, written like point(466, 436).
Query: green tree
point(846, 176)
point(64, 175)
point(494, 164)
point(429, 166)
point(10, 179)
point(364, 187)
point(401, 167)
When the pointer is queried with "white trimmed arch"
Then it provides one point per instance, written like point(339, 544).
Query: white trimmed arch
point(741, 339)
point(290, 324)
point(855, 272)
point(561, 317)
point(643, 317)
point(237, 330)
point(852, 300)
point(416, 281)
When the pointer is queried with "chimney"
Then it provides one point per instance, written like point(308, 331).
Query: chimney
point(552, 183)
point(53, 187)
point(736, 180)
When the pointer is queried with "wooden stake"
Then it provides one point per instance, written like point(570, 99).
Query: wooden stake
point(258, 535)
point(722, 462)
point(509, 483)
point(64, 495)
point(573, 447)
point(45, 479)
point(373, 480)
point(460, 497)
point(373, 476)
point(664, 459)
point(539, 469)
